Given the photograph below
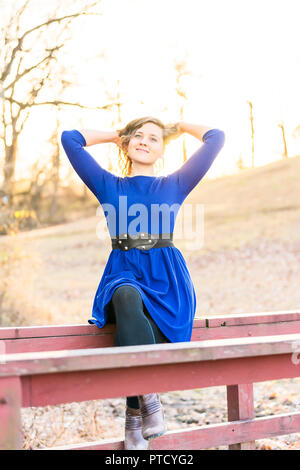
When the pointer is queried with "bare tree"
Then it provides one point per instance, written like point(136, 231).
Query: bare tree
point(18, 64)
point(55, 167)
point(285, 151)
point(252, 133)
point(115, 96)
point(181, 71)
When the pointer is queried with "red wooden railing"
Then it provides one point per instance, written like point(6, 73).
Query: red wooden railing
point(57, 364)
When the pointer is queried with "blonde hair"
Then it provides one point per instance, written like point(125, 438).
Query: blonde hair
point(169, 132)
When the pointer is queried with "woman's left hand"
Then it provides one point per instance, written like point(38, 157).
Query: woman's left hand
point(175, 130)
point(117, 139)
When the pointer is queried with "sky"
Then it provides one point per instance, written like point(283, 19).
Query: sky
point(235, 51)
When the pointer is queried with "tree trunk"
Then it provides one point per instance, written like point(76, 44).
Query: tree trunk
point(285, 152)
point(55, 171)
point(9, 169)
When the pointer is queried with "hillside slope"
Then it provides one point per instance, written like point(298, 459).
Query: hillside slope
point(259, 203)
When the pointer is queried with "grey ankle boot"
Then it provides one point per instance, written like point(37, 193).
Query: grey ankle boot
point(134, 439)
point(152, 416)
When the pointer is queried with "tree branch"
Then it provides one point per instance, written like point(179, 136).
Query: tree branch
point(20, 40)
point(26, 71)
point(57, 102)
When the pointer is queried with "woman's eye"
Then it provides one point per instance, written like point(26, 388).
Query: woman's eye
point(153, 138)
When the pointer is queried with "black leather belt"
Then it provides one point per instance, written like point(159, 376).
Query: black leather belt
point(142, 241)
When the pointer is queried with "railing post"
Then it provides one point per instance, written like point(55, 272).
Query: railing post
point(240, 405)
point(10, 413)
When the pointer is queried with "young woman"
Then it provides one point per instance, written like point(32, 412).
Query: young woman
point(146, 287)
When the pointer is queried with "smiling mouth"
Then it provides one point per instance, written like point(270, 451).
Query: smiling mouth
point(142, 150)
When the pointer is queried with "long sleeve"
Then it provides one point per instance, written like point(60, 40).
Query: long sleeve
point(193, 170)
point(92, 174)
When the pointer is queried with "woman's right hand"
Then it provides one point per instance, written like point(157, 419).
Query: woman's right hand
point(117, 139)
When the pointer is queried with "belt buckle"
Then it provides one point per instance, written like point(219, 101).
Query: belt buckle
point(145, 242)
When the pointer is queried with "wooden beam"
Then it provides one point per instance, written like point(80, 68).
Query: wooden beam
point(54, 388)
point(83, 339)
point(240, 406)
point(214, 321)
point(205, 437)
point(128, 356)
point(10, 413)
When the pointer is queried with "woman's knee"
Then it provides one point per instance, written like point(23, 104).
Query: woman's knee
point(126, 295)
point(127, 303)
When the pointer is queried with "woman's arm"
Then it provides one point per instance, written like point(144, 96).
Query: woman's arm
point(93, 137)
point(193, 170)
point(97, 179)
point(195, 130)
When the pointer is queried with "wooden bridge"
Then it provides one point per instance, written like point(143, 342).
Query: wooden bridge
point(50, 365)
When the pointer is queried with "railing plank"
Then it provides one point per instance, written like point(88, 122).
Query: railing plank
point(106, 338)
point(214, 321)
point(66, 330)
point(55, 388)
point(127, 356)
point(53, 330)
point(244, 331)
point(53, 338)
point(204, 437)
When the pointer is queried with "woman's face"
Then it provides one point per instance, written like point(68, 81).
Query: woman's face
point(146, 144)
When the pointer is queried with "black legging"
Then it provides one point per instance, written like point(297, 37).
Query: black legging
point(135, 326)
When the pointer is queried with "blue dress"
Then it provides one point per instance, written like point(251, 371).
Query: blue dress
point(160, 274)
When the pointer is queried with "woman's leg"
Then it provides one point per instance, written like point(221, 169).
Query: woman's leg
point(131, 316)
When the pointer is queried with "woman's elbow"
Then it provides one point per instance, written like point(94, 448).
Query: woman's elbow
point(215, 136)
point(64, 136)
point(220, 138)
